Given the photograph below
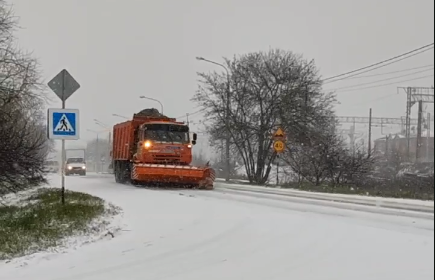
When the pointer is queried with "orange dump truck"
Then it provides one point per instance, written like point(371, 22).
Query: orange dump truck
point(156, 150)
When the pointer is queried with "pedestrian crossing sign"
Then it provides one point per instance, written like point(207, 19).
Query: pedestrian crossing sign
point(63, 124)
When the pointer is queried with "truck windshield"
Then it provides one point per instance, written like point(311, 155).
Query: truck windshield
point(170, 133)
point(75, 160)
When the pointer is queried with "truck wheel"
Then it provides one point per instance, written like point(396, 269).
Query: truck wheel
point(134, 183)
point(117, 171)
point(122, 172)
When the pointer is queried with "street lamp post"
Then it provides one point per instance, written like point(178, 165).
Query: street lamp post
point(105, 126)
point(120, 116)
point(227, 114)
point(155, 100)
point(97, 148)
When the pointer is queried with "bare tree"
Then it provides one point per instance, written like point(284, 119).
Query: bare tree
point(317, 158)
point(24, 145)
point(327, 159)
point(349, 167)
point(267, 90)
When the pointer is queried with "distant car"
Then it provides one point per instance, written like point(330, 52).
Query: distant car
point(75, 166)
point(52, 166)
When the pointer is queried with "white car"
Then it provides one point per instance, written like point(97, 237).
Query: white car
point(52, 166)
point(75, 166)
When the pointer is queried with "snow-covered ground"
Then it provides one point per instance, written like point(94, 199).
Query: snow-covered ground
point(197, 235)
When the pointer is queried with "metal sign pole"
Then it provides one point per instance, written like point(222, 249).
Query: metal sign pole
point(97, 154)
point(277, 170)
point(63, 165)
point(63, 124)
point(63, 144)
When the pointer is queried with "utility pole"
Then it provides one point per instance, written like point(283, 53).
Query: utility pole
point(352, 137)
point(370, 132)
point(228, 136)
point(387, 145)
point(408, 122)
point(419, 132)
point(415, 95)
point(428, 133)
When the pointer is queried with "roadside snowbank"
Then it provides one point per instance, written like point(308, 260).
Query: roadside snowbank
point(406, 204)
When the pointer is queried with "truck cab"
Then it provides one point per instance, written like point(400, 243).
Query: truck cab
point(164, 143)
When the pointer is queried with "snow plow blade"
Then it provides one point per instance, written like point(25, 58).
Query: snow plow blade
point(170, 175)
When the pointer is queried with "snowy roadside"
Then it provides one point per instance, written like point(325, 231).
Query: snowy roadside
point(408, 204)
point(18, 199)
point(106, 225)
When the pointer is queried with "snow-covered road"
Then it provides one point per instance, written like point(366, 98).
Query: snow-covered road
point(217, 235)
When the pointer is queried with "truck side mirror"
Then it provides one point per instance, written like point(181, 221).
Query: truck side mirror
point(193, 142)
point(195, 137)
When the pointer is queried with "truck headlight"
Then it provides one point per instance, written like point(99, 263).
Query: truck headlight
point(83, 167)
point(69, 167)
point(147, 144)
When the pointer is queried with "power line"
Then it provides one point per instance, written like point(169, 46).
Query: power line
point(380, 63)
point(374, 100)
point(388, 73)
point(191, 114)
point(370, 68)
point(379, 67)
point(383, 80)
point(395, 83)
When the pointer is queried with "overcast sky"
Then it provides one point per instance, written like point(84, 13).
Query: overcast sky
point(119, 50)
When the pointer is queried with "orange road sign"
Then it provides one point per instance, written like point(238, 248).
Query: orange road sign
point(279, 146)
point(279, 134)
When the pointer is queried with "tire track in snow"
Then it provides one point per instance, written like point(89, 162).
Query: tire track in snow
point(159, 257)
